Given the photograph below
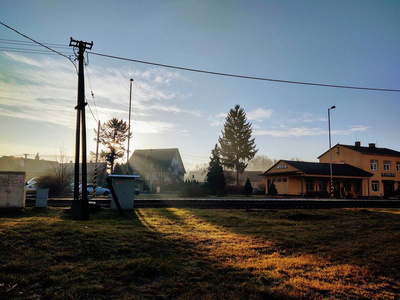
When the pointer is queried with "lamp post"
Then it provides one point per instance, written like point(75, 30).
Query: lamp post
point(129, 122)
point(330, 148)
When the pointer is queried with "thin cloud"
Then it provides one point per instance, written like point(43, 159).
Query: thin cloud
point(44, 90)
point(305, 131)
point(259, 114)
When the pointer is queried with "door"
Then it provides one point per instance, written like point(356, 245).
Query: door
point(388, 188)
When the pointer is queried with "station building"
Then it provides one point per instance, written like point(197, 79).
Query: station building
point(311, 179)
point(383, 163)
point(357, 172)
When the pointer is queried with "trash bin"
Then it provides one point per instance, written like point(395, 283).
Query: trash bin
point(124, 188)
point(41, 197)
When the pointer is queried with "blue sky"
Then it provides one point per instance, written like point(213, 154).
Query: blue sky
point(354, 43)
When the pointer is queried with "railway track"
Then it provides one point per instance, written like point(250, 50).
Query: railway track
point(239, 203)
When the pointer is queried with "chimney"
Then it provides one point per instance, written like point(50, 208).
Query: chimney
point(371, 145)
point(358, 144)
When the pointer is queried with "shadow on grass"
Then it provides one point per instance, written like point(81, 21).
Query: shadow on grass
point(366, 239)
point(45, 254)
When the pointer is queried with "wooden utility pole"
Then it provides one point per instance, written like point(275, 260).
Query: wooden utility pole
point(97, 154)
point(80, 206)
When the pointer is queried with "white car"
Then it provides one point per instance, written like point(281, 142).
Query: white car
point(31, 186)
point(99, 190)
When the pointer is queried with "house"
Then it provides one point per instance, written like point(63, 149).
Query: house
point(38, 167)
point(255, 178)
point(199, 176)
point(383, 163)
point(32, 167)
point(158, 166)
point(312, 179)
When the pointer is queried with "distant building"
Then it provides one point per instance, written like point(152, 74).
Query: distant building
point(38, 167)
point(255, 177)
point(199, 176)
point(383, 163)
point(158, 166)
point(32, 167)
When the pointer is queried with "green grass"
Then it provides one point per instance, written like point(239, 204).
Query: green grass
point(201, 254)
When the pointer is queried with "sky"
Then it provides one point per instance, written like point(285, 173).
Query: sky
point(346, 43)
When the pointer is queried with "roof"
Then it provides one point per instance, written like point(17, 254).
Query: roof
point(161, 156)
point(254, 176)
point(368, 150)
point(316, 168)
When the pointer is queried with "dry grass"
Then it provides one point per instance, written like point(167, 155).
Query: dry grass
point(202, 254)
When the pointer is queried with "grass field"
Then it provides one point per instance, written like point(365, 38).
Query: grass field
point(201, 254)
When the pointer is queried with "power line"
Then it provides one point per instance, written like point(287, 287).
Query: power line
point(30, 51)
point(31, 44)
point(25, 36)
point(246, 77)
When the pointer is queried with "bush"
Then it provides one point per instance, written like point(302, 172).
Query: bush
point(190, 190)
point(272, 191)
point(234, 189)
point(55, 184)
point(262, 188)
point(248, 189)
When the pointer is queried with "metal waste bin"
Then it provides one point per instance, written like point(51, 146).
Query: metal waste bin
point(41, 197)
point(124, 188)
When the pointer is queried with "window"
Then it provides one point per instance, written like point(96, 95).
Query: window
point(398, 166)
point(310, 185)
point(375, 186)
point(386, 165)
point(374, 165)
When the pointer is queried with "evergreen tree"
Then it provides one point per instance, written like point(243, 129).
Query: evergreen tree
point(215, 175)
point(237, 146)
point(248, 188)
point(272, 191)
point(112, 135)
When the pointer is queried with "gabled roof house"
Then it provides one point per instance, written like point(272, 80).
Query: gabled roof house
point(158, 166)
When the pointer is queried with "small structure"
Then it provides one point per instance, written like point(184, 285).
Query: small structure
point(12, 189)
point(122, 190)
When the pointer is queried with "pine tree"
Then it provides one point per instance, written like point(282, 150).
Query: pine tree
point(248, 188)
point(237, 146)
point(215, 175)
point(112, 135)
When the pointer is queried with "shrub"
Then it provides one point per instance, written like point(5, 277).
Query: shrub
point(248, 189)
point(190, 190)
point(272, 191)
point(54, 183)
point(234, 189)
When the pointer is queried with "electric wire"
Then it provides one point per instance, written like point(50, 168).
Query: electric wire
point(91, 91)
point(28, 43)
point(90, 109)
point(30, 51)
point(244, 76)
point(25, 36)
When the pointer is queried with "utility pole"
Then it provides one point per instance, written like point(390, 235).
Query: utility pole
point(330, 151)
point(80, 206)
point(97, 154)
point(129, 123)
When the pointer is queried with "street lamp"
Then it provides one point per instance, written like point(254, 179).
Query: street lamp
point(330, 148)
point(129, 122)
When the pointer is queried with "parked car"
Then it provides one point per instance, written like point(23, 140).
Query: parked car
point(99, 190)
point(31, 186)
